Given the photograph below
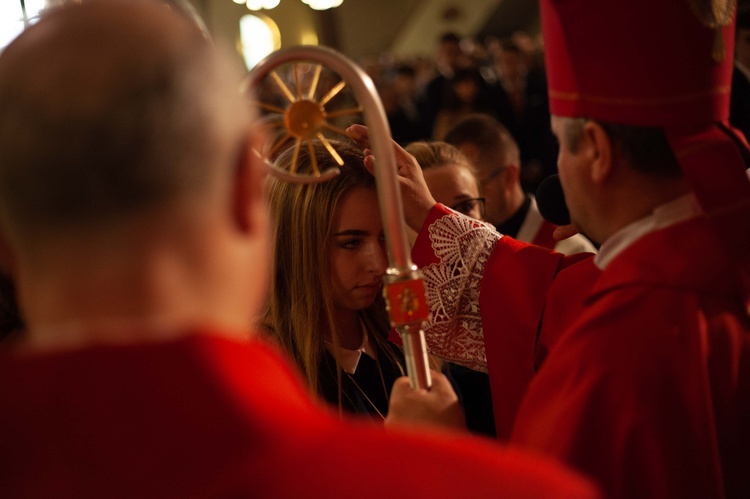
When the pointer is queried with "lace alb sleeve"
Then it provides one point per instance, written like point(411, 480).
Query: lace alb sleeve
point(462, 246)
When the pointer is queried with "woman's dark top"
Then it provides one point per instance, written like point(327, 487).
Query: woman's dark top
point(471, 387)
point(365, 379)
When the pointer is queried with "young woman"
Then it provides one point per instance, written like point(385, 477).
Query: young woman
point(325, 305)
point(450, 177)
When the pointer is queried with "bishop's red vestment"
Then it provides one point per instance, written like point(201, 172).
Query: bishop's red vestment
point(646, 387)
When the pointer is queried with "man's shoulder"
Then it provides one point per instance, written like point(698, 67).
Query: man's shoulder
point(189, 408)
point(685, 258)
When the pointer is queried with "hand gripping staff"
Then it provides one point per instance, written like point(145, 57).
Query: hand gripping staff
point(305, 118)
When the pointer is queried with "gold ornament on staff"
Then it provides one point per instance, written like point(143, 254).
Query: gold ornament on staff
point(306, 117)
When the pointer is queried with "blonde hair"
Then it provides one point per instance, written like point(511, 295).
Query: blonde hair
point(299, 311)
point(435, 154)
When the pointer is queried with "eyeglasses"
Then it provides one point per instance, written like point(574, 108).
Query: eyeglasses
point(466, 206)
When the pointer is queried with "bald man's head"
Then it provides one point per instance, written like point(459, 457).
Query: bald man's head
point(108, 109)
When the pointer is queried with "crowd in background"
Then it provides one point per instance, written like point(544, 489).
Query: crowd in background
point(503, 78)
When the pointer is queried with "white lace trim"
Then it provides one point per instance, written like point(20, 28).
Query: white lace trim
point(463, 246)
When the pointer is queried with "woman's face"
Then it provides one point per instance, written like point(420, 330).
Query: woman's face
point(357, 250)
point(454, 185)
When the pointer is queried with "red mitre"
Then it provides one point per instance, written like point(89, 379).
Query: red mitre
point(664, 63)
point(636, 62)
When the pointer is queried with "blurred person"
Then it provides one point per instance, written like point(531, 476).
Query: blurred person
point(511, 68)
point(135, 229)
point(530, 50)
point(646, 390)
point(492, 150)
point(445, 63)
point(400, 99)
point(466, 94)
point(524, 87)
point(439, 94)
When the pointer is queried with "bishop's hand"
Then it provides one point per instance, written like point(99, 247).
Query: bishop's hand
point(414, 191)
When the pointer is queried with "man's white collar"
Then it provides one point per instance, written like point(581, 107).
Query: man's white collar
point(680, 209)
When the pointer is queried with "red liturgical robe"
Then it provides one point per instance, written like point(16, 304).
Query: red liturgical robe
point(205, 416)
point(649, 390)
point(647, 387)
point(470, 312)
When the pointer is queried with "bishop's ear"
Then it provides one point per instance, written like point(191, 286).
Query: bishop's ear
point(600, 144)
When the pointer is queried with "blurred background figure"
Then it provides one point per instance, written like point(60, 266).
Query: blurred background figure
point(522, 84)
point(400, 99)
point(467, 93)
point(448, 59)
point(495, 154)
point(459, 87)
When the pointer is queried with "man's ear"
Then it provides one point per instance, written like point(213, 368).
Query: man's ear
point(247, 196)
point(599, 147)
point(512, 175)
